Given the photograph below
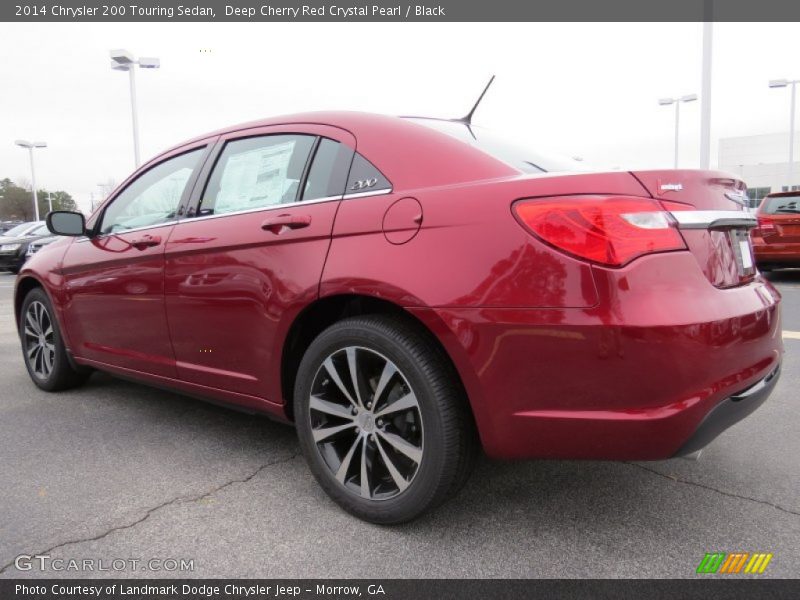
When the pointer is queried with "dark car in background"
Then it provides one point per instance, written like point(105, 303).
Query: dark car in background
point(14, 248)
point(8, 225)
point(40, 243)
point(19, 229)
point(776, 241)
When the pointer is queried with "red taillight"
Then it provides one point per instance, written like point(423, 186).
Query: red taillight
point(608, 230)
point(765, 225)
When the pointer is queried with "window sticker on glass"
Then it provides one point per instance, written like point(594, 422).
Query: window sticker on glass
point(255, 178)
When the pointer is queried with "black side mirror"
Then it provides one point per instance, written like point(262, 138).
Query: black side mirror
point(64, 222)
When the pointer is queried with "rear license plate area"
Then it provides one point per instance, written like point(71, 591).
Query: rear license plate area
point(743, 250)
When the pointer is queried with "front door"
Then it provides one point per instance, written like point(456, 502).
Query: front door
point(115, 279)
point(253, 253)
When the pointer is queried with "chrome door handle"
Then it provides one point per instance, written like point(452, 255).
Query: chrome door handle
point(277, 224)
point(147, 241)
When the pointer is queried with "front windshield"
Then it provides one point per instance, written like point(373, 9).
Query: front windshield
point(19, 229)
point(514, 155)
point(41, 230)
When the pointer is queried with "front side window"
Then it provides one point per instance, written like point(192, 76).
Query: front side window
point(153, 198)
point(256, 172)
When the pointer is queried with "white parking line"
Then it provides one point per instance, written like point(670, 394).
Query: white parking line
point(791, 335)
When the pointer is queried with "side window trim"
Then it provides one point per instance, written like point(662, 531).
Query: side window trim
point(306, 169)
point(185, 195)
point(203, 176)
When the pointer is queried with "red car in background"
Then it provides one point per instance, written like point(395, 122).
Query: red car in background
point(776, 240)
point(407, 291)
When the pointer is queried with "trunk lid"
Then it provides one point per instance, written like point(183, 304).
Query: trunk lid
point(710, 209)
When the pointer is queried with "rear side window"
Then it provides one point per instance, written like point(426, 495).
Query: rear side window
point(365, 177)
point(782, 205)
point(257, 172)
point(328, 173)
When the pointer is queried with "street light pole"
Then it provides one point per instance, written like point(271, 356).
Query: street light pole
point(779, 83)
point(30, 146)
point(122, 60)
point(677, 130)
point(677, 102)
point(791, 134)
point(134, 117)
point(705, 89)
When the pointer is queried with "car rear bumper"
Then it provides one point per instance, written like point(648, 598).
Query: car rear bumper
point(633, 378)
point(775, 253)
point(730, 411)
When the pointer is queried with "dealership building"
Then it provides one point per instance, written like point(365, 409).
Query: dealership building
point(761, 161)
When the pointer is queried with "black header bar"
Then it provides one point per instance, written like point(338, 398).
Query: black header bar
point(389, 11)
point(704, 588)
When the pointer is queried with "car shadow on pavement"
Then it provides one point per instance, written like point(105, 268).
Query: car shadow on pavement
point(783, 276)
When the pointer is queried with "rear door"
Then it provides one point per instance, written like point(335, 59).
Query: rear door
point(250, 256)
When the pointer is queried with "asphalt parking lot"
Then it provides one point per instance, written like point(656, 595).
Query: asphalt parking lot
point(119, 470)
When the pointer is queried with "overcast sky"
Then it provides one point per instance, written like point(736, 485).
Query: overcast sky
point(586, 90)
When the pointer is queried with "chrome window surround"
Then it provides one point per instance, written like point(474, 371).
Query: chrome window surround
point(243, 212)
point(713, 219)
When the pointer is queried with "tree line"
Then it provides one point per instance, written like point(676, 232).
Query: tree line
point(16, 201)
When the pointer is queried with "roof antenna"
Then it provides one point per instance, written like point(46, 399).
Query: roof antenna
point(467, 120)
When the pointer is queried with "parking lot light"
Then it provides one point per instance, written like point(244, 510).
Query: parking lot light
point(677, 102)
point(782, 83)
point(122, 60)
point(30, 146)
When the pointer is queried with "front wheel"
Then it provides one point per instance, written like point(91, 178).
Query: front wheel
point(382, 419)
point(43, 347)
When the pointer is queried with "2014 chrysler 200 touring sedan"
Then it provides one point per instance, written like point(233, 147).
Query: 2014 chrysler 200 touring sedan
point(406, 291)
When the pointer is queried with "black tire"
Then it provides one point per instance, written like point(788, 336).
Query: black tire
point(61, 375)
point(448, 442)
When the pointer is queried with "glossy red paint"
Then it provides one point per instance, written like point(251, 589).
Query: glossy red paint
point(559, 357)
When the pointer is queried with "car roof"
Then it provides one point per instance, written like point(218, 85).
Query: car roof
point(782, 194)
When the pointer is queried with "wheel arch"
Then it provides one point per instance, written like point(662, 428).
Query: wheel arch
point(328, 310)
point(23, 287)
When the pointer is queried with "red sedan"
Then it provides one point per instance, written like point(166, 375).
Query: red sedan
point(407, 291)
point(776, 241)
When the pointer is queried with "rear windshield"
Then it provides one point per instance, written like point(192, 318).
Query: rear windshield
point(780, 205)
point(517, 156)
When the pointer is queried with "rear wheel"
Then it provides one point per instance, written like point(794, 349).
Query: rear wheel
point(382, 419)
point(43, 347)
